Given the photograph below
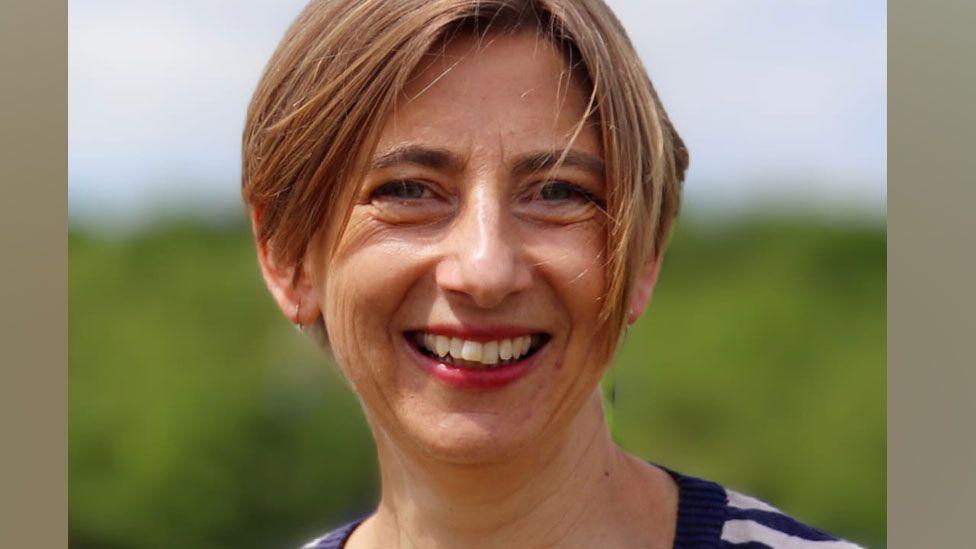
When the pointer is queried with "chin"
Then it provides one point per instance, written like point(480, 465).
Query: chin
point(474, 438)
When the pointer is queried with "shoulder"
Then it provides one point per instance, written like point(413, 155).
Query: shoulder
point(749, 521)
point(336, 539)
point(710, 515)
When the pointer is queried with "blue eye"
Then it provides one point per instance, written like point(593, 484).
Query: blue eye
point(403, 189)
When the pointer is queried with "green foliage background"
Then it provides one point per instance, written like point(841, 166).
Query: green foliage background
point(198, 418)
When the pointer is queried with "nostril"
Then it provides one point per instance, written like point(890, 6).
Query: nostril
point(486, 283)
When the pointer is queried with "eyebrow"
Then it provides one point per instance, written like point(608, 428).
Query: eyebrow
point(438, 159)
point(547, 160)
point(525, 164)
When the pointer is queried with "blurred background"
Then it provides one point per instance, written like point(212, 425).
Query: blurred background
point(198, 418)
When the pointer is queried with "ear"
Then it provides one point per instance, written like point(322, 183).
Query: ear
point(295, 296)
point(645, 287)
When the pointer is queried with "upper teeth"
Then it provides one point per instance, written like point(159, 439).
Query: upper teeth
point(485, 352)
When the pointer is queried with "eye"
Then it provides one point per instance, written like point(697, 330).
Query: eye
point(559, 202)
point(409, 202)
point(563, 190)
point(403, 189)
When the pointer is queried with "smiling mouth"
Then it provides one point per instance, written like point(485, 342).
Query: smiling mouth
point(463, 353)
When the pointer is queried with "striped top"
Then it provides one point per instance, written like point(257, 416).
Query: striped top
point(708, 516)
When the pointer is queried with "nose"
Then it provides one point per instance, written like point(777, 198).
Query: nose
point(483, 259)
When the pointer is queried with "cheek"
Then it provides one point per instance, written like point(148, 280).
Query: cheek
point(362, 293)
point(572, 261)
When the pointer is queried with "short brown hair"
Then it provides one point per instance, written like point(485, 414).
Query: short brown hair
point(314, 120)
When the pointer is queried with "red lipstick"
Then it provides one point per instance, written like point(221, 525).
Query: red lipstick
point(475, 378)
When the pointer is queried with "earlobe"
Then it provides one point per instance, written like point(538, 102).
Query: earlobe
point(295, 296)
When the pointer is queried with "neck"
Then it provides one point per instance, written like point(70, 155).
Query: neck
point(573, 489)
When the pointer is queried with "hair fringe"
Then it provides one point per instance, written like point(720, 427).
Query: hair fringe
point(338, 72)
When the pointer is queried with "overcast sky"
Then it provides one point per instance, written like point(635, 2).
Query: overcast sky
point(779, 102)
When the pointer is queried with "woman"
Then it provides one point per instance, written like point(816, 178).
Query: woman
point(466, 202)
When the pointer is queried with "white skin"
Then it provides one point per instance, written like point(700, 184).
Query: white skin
point(530, 464)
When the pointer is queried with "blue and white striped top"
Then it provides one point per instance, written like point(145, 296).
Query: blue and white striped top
point(709, 516)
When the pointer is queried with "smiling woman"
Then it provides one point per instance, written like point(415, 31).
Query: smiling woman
point(491, 245)
point(466, 202)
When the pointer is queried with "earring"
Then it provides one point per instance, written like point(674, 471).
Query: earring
point(298, 321)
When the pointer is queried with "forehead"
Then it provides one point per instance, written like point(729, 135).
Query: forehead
point(503, 92)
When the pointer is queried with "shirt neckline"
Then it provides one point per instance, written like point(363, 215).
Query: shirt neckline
point(701, 514)
point(701, 511)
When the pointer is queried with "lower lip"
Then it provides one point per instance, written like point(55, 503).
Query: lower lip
point(476, 378)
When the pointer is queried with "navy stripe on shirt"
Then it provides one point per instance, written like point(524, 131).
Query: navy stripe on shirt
point(746, 545)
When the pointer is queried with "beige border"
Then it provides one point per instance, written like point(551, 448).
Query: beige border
point(931, 273)
point(33, 265)
point(932, 448)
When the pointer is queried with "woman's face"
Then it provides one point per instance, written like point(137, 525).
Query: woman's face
point(463, 299)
